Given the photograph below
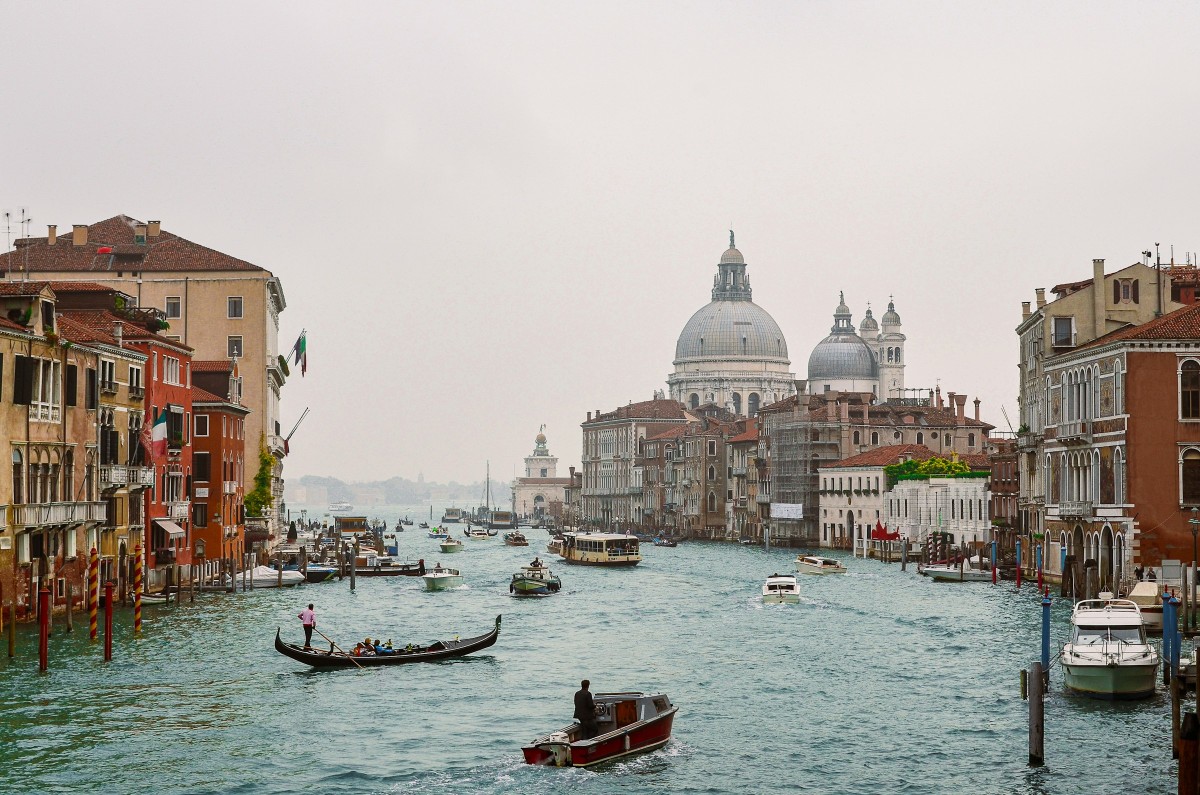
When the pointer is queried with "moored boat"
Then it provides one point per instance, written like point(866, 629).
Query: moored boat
point(452, 515)
point(536, 579)
point(267, 577)
point(662, 541)
point(452, 545)
point(1108, 655)
point(318, 572)
point(812, 564)
point(955, 572)
point(600, 549)
point(627, 723)
point(372, 564)
point(780, 589)
point(437, 650)
point(1148, 597)
point(440, 578)
point(515, 538)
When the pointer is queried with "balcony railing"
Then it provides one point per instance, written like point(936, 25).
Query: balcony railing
point(230, 487)
point(58, 513)
point(763, 499)
point(739, 472)
point(1077, 509)
point(275, 444)
point(164, 557)
point(178, 510)
point(1075, 432)
point(113, 475)
point(108, 387)
point(1028, 441)
point(633, 490)
point(141, 476)
point(137, 391)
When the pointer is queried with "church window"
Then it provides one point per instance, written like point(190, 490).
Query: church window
point(896, 435)
point(712, 502)
point(737, 403)
point(889, 354)
point(874, 437)
point(712, 473)
point(694, 400)
point(970, 440)
point(544, 472)
point(752, 404)
point(1189, 390)
point(920, 438)
point(743, 346)
point(897, 356)
point(856, 439)
point(1190, 472)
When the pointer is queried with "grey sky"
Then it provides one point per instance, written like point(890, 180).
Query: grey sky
point(493, 216)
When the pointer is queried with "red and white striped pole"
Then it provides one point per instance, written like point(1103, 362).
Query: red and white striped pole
point(93, 591)
point(137, 589)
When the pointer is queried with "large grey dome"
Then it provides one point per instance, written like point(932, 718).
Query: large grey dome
point(842, 357)
point(732, 329)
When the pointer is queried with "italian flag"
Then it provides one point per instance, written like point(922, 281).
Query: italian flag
point(300, 349)
point(158, 436)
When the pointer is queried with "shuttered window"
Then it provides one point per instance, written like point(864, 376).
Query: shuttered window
point(72, 385)
point(23, 381)
point(93, 390)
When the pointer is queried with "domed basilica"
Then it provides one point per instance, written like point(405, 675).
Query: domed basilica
point(731, 352)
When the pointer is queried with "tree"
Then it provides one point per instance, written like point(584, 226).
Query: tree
point(258, 500)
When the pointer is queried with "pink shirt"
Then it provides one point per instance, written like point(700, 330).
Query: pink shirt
point(307, 616)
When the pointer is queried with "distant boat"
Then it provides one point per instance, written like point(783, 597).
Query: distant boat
point(780, 589)
point(452, 515)
point(516, 538)
point(534, 580)
point(340, 507)
point(812, 564)
point(440, 579)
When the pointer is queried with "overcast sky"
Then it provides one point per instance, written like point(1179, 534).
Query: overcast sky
point(494, 216)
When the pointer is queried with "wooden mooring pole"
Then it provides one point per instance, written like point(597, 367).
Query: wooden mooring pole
point(1189, 741)
point(1037, 717)
point(12, 630)
point(108, 611)
point(43, 628)
point(70, 601)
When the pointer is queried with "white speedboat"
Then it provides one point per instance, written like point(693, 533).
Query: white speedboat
point(812, 564)
point(452, 545)
point(267, 577)
point(440, 578)
point(780, 589)
point(1108, 655)
point(962, 571)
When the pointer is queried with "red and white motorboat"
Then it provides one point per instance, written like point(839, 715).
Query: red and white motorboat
point(628, 723)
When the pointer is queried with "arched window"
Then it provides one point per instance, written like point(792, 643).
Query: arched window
point(752, 404)
point(970, 440)
point(1190, 474)
point(1119, 476)
point(712, 502)
point(712, 472)
point(737, 403)
point(920, 438)
point(889, 354)
point(18, 478)
point(1118, 389)
point(1189, 390)
point(898, 356)
point(874, 437)
point(694, 401)
point(856, 438)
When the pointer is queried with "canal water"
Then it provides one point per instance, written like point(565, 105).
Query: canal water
point(879, 681)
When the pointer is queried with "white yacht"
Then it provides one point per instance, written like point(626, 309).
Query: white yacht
point(1108, 655)
point(811, 564)
point(442, 579)
point(970, 570)
point(780, 589)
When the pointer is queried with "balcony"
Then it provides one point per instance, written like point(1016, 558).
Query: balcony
point(137, 391)
point(141, 476)
point(113, 475)
point(763, 499)
point(633, 490)
point(1028, 441)
point(230, 487)
point(48, 514)
point(108, 387)
point(164, 557)
point(1075, 509)
point(739, 472)
point(1075, 432)
point(741, 502)
point(275, 445)
point(175, 444)
point(178, 510)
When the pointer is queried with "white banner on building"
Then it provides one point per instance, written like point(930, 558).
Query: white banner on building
point(787, 510)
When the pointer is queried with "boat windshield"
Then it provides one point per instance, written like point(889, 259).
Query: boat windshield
point(1089, 635)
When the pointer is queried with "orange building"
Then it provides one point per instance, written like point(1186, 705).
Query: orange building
point(218, 465)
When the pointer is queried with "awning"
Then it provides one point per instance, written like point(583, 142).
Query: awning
point(173, 530)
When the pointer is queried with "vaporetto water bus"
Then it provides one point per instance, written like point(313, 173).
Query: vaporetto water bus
point(600, 549)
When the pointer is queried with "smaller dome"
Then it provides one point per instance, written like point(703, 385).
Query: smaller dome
point(732, 257)
point(540, 439)
point(890, 318)
point(868, 322)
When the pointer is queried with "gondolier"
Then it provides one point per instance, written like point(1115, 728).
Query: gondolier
point(585, 711)
point(309, 619)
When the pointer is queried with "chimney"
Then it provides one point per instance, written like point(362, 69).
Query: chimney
point(1025, 311)
point(1041, 297)
point(139, 234)
point(1098, 293)
point(79, 235)
point(119, 332)
point(977, 402)
point(960, 405)
point(951, 395)
point(52, 234)
point(589, 419)
point(153, 228)
point(939, 403)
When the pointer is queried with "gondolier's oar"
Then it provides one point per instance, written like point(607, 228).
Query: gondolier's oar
point(339, 648)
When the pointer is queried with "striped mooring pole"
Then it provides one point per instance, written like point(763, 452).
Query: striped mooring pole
point(137, 589)
point(93, 592)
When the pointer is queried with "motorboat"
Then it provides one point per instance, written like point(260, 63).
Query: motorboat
point(1108, 655)
point(627, 723)
point(1148, 597)
point(452, 545)
point(663, 541)
point(372, 564)
point(813, 564)
point(437, 532)
point(515, 538)
point(780, 589)
point(423, 525)
point(440, 578)
point(949, 571)
point(536, 579)
point(478, 533)
point(318, 572)
point(554, 545)
point(267, 577)
point(406, 521)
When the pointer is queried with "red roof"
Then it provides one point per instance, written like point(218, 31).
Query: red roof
point(204, 396)
point(212, 366)
point(100, 321)
point(166, 252)
point(645, 410)
point(77, 331)
point(1182, 324)
point(22, 288)
point(750, 434)
point(81, 287)
point(670, 433)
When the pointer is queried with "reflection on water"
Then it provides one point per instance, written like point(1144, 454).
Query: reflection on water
point(877, 682)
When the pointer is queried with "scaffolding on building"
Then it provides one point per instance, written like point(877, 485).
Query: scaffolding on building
point(798, 447)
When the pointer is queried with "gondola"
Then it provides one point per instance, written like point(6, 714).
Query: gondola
point(438, 650)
